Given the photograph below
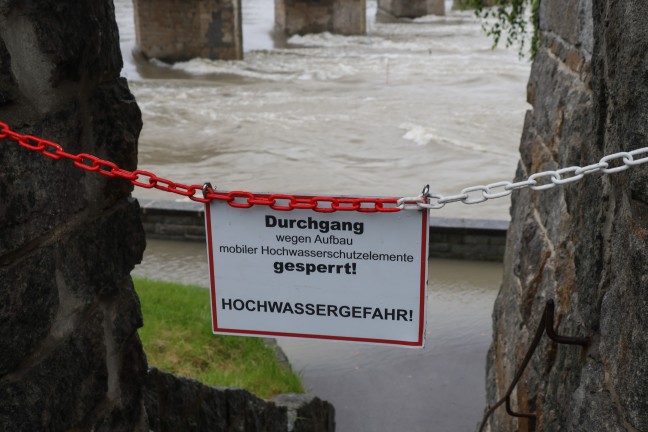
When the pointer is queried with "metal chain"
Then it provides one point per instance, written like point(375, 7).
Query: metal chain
point(544, 180)
point(328, 204)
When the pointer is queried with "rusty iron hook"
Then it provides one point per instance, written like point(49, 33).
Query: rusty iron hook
point(546, 324)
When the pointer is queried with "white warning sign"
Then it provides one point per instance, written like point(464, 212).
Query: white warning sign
point(346, 275)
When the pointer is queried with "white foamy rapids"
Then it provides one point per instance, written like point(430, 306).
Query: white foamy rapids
point(269, 66)
point(422, 136)
point(360, 43)
point(418, 134)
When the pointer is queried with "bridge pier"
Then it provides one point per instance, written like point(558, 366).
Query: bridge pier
point(347, 17)
point(412, 8)
point(465, 4)
point(179, 30)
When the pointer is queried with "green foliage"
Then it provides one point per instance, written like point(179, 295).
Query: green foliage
point(510, 22)
point(177, 338)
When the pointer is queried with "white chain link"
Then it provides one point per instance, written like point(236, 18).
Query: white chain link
point(538, 181)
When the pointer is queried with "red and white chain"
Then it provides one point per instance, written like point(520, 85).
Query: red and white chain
point(327, 204)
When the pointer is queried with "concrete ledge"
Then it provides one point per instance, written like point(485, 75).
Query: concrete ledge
point(473, 239)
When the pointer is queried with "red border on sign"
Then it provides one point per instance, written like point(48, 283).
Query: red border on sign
point(423, 287)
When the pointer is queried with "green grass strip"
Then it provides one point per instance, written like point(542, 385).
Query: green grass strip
point(177, 338)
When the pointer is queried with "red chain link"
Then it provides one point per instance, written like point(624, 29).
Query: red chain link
point(238, 199)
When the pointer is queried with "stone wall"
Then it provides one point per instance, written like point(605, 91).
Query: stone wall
point(583, 245)
point(347, 17)
point(180, 404)
point(179, 30)
point(71, 358)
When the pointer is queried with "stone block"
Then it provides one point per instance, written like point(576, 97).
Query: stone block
point(184, 220)
point(439, 247)
point(171, 231)
point(179, 30)
point(477, 252)
point(68, 381)
point(561, 17)
point(346, 17)
point(310, 413)
point(412, 8)
point(175, 403)
point(153, 218)
point(436, 7)
point(149, 228)
point(28, 305)
point(195, 232)
point(465, 4)
point(476, 240)
point(128, 414)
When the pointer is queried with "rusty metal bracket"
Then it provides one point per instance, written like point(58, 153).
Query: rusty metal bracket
point(546, 324)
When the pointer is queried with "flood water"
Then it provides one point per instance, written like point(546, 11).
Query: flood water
point(410, 103)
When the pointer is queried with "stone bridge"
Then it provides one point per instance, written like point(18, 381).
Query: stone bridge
point(178, 30)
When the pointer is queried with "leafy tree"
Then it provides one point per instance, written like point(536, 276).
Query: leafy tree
point(510, 22)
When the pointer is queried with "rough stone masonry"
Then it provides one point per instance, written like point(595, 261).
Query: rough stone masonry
point(71, 357)
point(585, 244)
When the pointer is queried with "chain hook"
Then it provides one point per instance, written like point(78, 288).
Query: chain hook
point(425, 193)
point(207, 189)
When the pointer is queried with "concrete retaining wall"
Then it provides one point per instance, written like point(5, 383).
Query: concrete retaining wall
point(475, 239)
